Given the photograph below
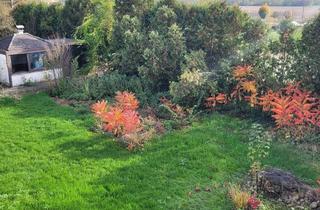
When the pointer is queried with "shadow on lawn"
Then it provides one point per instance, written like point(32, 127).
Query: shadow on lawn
point(6, 102)
point(168, 170)
point(97, 147)
point(41, 106)
point(171, 168)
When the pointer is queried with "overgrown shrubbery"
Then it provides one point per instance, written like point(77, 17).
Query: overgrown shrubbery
point(73, 14)
point(46, 20)
point(39, 19)
point(157, 43)
point(296, 112)
point(152, 40)
point(189, 52)
point(308, 70)
point(167, 45)
point(163, 57)
point(143, 38)
point(291, 58)
point(195, 82)
point(129, 55)
point(96, 31)
point(96, 87)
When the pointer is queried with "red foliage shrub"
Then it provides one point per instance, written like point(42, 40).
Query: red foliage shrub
point(113, 120)
point(242, 71)
point(246, 87)
point(99, 108)
point(131, 121)
point(253, 202)
point(178, 110)
point(266, 100)
point(120, 119)
point(290, 106)
point(212, 101)
point(282, 111)
point(126, 101)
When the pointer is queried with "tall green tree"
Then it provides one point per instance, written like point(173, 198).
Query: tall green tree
point(96, 30)
point(6, 21)
point(309, 69)
point(163, 57)
point(163, 18)
point(218, 29)
point(129, 57)
point(39, 19)
point(73, 14)
point(132, 8)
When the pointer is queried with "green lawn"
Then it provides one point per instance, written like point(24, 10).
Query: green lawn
point(50, 160)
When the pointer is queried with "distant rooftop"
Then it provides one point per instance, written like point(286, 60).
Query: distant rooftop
point(23, 42)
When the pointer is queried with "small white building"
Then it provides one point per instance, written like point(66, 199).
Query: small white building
point(22, 59)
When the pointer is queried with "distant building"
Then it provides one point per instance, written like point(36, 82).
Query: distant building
point(296, 13)
point(22, 59)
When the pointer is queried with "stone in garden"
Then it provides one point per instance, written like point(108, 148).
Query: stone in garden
point(314, 205)
point(281, 185)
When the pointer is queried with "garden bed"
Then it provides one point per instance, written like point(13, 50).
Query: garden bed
point(51, 160)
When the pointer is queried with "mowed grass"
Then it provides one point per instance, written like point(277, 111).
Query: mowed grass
point(50, 160)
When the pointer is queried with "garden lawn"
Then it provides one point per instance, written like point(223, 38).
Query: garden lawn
point(49, 159)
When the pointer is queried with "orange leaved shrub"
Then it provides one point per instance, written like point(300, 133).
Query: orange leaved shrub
point(241, 72)
point(290, 106)
point(175, 108)
point(220, 98)
point(126, 101)
point(120, 118)
point(246, 87)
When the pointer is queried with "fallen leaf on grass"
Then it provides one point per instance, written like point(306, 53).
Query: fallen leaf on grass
point(197, 189)
point(208, 189)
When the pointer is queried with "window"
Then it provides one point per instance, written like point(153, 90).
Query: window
point(28, 62)
point(19, 63)
point(36, 61)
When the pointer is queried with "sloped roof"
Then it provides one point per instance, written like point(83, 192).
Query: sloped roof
point(21, 43)
point(5, 43)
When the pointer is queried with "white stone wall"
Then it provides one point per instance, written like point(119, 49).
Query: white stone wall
point(4, 74)
point(37, 76)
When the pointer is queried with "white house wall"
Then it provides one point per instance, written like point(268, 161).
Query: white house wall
point(4, 75)
point(37, 76)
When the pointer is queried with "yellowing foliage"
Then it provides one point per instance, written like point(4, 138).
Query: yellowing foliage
point(239, 197)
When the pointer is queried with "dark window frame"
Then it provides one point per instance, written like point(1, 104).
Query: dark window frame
point(19, 72)
point(29, 62)
point(28, 55)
